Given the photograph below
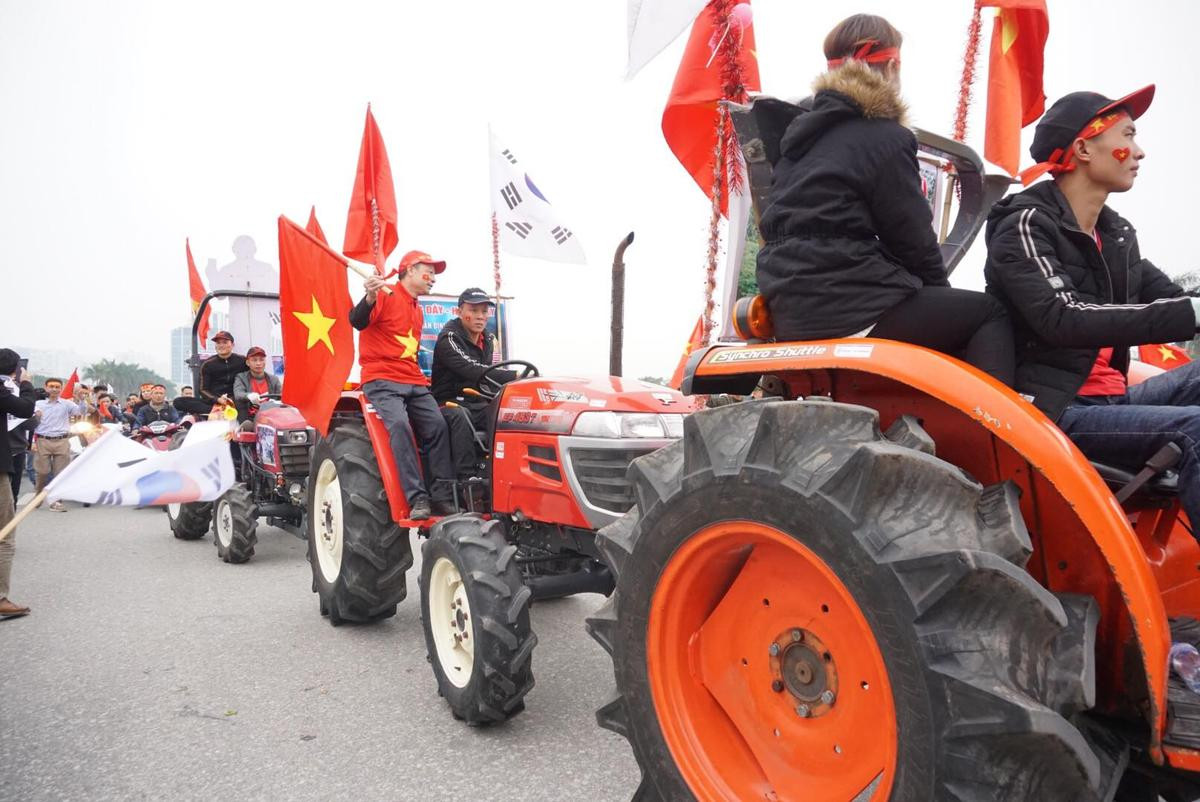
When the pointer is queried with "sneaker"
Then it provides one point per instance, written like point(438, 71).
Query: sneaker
point(57, 506)
point(420, 509)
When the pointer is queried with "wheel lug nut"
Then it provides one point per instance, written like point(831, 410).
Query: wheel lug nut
point(802, 711)
point(777, 685)
point(827, 697)
point(797, 635)
point(774, 650)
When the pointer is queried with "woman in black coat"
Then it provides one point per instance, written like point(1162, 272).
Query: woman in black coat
point(849, 249)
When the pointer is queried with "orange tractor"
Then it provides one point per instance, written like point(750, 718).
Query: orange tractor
point(894, 580)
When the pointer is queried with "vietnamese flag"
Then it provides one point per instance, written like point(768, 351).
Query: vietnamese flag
point(694, 342)
point(1164, 356)
point(69, 388)
point(314, 227)
point(197, 291)
point(1015, 94)
point(708, 74)
point(314, 306)
point(371, 223)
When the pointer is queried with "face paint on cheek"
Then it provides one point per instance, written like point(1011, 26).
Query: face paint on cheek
point(1121, 154)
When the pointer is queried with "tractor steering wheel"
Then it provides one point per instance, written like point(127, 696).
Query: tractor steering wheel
point(490, 386)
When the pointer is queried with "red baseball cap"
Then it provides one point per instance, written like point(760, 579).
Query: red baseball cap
point(415, 257)
point(222, 335)
point(255, 351)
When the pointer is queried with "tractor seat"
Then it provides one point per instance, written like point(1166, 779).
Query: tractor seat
point(1161, 487)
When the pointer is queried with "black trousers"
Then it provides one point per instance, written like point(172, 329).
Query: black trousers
point(18, 468)
point(407, 409)
point(972, 326)
point(193, 406)
point(464, 421)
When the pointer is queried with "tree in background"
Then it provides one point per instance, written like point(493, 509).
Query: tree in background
point(653, 380)
point(124, 377)
point(747, 283)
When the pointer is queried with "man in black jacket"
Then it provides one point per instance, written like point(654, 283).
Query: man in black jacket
point(216, 377)
point(462, 355)
point(1081, 294)
point(19, 405)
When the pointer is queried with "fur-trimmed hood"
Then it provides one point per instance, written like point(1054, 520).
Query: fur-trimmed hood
point(853, 90)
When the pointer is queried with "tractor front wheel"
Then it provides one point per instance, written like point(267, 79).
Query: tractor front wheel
point(475, 611)
point(188, 521)
point(235, 525)
point(809, 609)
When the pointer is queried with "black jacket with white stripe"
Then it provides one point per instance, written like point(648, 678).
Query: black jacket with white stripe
point(1068, 298)
point(459, 362)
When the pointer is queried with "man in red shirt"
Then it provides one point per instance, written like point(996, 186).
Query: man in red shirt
point(390, 336)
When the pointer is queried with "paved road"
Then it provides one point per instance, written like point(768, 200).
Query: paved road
point(151, 670)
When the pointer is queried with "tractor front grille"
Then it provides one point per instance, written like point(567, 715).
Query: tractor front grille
point(293, 459)
point(601, 474)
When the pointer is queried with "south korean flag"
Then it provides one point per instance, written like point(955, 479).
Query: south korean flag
point(529, 225)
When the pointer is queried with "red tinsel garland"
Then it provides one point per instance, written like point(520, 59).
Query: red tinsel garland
point(968, 75)
point(496, 257)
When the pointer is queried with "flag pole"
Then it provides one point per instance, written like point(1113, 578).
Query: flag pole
point(496, 276)
point(33, 504)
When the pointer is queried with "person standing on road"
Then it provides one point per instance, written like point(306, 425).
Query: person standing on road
point(390, 335)
point(51, 447)
point(19, 405)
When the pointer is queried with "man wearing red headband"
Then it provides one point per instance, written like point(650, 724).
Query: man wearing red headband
point(389, 325)
point(1081, 293)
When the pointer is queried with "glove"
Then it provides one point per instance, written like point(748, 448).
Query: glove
point(254, 398)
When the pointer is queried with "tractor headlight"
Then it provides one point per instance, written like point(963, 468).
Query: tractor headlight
point(628, 425)
point(298, 437)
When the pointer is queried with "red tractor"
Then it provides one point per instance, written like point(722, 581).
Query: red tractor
point(894, 580)
point(557, 454)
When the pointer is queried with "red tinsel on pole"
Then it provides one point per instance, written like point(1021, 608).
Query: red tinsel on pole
point(974, 31)
point(714, 230)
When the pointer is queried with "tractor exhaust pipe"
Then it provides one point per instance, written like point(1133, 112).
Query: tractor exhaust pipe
point(596, 580)
point(616, 341)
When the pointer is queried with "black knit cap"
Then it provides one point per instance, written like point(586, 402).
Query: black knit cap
point(1063, 121)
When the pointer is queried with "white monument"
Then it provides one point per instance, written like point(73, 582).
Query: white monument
point(252, 321)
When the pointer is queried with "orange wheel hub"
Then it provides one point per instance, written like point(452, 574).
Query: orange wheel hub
point(766, 677)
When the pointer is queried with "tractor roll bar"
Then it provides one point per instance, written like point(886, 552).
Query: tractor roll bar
point(194, 360)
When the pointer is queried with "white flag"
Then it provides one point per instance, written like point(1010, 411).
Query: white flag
point(529, 225)
point(654, 24)
point(119, 472)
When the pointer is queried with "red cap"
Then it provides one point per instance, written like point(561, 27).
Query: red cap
point(414, 257)
point(222, 335)
point(255, 351)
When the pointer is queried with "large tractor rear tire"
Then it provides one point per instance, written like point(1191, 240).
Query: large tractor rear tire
point(358, 554)
point(188, 521)
point(809, 609)
point(475, 611)
point(235, 525)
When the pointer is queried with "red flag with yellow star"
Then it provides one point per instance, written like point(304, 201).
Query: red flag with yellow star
point(1165, 355)
point(197, 291)
point(314, 306)
point(694, 342)
point(1015, 95)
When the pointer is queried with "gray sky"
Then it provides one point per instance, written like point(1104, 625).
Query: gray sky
point(128, 126)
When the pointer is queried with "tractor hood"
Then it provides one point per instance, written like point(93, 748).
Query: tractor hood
point(281, 417)
point(553, 404)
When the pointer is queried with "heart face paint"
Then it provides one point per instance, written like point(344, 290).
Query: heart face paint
point(1120, 154)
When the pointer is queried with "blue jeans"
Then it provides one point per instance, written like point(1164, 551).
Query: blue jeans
point(1126, 430)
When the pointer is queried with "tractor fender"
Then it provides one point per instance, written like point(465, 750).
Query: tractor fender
point(847, 369)
point(355, 402)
